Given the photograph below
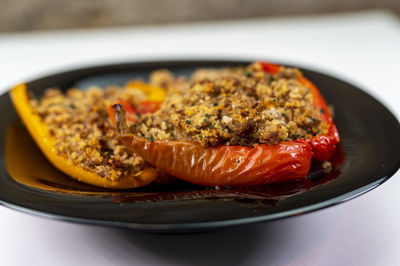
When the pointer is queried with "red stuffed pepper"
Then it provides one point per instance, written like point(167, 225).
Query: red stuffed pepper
point(210, 162)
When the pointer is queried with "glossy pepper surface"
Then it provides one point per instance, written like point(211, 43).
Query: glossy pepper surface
point(225, 165)
point(235, 165)
point(46, 142)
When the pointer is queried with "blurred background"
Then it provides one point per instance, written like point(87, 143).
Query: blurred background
point(32, 15)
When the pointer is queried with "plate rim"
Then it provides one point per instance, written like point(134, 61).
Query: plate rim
point(200, 226)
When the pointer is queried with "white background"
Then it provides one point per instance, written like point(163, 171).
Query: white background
point(362, 48)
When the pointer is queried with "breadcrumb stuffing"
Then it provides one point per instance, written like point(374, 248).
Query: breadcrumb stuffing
point(79, 122)
point(235, 106)
point(228, 106)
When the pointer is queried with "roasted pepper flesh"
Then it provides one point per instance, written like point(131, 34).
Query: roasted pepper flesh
point(225, 165)
point(323, 145)
point(46, 142)
point(153, 93)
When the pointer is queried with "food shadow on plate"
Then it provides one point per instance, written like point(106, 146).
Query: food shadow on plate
point(39, 173)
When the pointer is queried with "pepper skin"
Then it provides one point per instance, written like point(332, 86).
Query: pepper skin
point(41, 135)
point(323, 145)
point(270, 68)
point(222, 165)
point(153, 93)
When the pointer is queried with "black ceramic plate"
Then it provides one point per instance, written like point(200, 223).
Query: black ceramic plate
point(369, 140)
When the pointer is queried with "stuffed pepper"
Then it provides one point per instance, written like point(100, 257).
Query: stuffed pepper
point(73, 131)
point(241, 126)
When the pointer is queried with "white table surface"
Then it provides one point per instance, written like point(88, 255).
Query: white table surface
point(363, 48)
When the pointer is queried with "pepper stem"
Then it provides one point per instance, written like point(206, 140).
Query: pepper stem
point(120, 121)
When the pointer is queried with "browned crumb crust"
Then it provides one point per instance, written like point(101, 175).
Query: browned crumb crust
point(79, 122)
point(235, 106)
point(229, 106)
